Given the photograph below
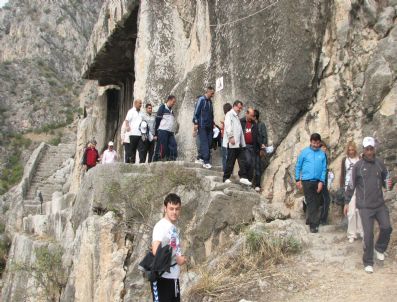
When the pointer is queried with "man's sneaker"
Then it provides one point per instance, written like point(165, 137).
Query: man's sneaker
point(199, 161)
point(245, 181)
point(207, 166)
point(227, 181)
point(257, 189)
point(351, 239)
point(369, 269)
point(380, 256)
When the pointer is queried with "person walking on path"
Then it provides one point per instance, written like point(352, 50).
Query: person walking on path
point(310, 173)
point(251, 137)
point(125, 139)
point(90, 156)
point(369, 174)
point(166, 288)
point(234, 137)
point(133, 122)
point(325, 192)
point(262, 140)
point(109, 155)
point(166, 148)
point(203, 120)
point(354, 226)
point(147, 143)
point(226, 108)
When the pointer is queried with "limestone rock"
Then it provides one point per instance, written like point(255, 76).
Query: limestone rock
point(385, 21)
point(371, 11)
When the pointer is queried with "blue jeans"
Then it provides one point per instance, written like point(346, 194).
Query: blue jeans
point(205, 135)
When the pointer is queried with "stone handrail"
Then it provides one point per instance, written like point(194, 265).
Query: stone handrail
point(31, 167)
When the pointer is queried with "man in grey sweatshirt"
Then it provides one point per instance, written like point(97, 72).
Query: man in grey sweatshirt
point(368, 176)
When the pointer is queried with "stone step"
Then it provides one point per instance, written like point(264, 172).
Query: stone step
point(206, 172)
point(32, 209)
point(194, 165)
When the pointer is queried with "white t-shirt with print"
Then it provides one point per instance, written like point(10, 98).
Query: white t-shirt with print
point(167, 233)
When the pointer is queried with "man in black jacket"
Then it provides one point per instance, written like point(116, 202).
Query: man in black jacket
point(368, 176)
point(251, 135)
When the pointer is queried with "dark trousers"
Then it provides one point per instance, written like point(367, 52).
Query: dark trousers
point(234, 154)
point(127, 152)
point(198, 147)
point(165, 290)
point(258, 170)
point(144, 148)
point(313, 202)
point(326, 203)
point(205, 136)
point(250, 161)
point(368, 216)
point(134, 142)
point(224, 157)
point(166, 148)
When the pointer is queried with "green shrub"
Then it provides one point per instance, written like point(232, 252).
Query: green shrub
point(55, 141)
point(4, 248)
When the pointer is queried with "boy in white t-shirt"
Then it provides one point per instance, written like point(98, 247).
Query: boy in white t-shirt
point(166, 288)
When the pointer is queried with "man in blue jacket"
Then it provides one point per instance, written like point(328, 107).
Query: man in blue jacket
point(203, 120)
point(310, 173)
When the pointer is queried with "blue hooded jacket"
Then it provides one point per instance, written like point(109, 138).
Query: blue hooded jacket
point(311, 165)
point(204, 113)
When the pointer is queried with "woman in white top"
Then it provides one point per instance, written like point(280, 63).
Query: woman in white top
point(354, 226)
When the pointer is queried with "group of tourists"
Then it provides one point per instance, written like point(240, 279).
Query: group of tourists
point(151, 135)
point(362, 180)
point(244, 140)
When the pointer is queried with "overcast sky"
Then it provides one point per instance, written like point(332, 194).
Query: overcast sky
point(2, 2)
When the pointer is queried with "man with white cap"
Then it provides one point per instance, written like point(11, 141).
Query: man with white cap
point(368, 176)
point(110, 155)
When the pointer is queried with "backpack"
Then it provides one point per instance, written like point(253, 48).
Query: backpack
point(340, 196)
point(154, 266)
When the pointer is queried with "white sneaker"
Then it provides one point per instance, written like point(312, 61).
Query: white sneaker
point(351, 239)
point(245, 181)
point(228, 181)
point(257, 189)
point(199, 161)
point(207, 166)
point(369, 269)
point(380, 256)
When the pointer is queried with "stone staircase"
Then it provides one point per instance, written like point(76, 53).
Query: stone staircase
point(46, 179)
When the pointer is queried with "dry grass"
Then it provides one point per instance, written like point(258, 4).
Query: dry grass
point(257, 259)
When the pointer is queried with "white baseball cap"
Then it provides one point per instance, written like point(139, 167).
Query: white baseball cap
point(110, 144)
point(368, 141)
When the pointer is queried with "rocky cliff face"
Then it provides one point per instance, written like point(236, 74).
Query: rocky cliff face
point(355, 96)
point(41, 54)
point(308, 66)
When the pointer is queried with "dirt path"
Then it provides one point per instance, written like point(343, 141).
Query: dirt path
point(333, 271)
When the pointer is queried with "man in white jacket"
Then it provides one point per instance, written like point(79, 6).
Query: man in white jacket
point(233, 140)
